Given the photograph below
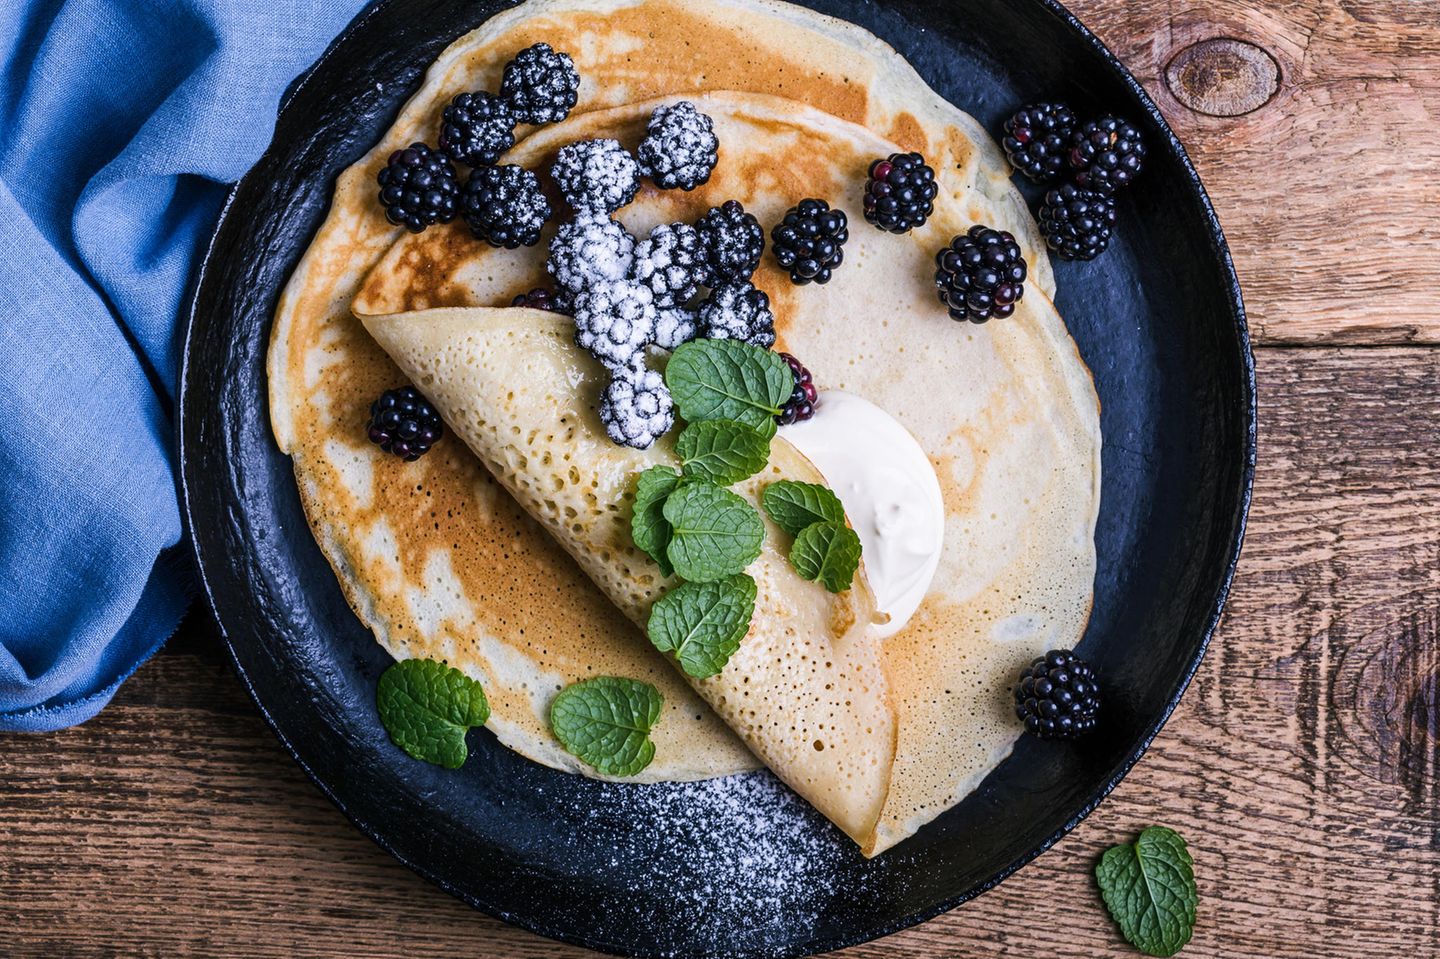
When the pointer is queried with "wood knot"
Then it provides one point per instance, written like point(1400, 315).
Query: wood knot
point(1223, 77)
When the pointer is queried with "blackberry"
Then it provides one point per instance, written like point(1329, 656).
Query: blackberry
point(680, 147)
point(980, 274)
point(738, 311)
point(418, 187)
point(1106, 153)
point(669, 263)
point(614, 320)
point(1076, 223)
point(590, 249)
point(808, 241)
point(543, 299)
point(503, 205)
point(900, 193)
point(675, 325)
point(404, 423)
point(540, 85)
point(596, 175)
point(476, 128)
point(1037, 139)
point(1057, 697)
point(801, 404)
point(732, 241)
point(636, 407)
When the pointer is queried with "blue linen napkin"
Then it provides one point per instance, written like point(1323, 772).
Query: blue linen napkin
point(121, 124)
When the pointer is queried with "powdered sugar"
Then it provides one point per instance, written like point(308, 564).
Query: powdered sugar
point(680, 147)
point(614, 319)
point(592, 248)
point(596, 175)
point(675, 325)
point(636, 407)
point(738, 311)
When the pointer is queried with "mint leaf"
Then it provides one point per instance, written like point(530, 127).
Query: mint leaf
point(729, 380)
point(714, 532)
point(606, 722)
point(794, 506)
point(1149, 888)
point(703, 623)
point(648, 526)
point(829, 552)
point(427, 707)
point(721, 451)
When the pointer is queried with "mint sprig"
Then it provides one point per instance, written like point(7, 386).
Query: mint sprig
point(729, 380)
point(721, 451)
point(829, 552)
point(703, 623)
point(648, 527)
point(606, 722)
point(1149, 888)
point(427, 707)
point(714, 533)
point(794, 506)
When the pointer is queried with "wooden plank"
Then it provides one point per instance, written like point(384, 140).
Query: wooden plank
point(1328, 191)
point(1302, 765)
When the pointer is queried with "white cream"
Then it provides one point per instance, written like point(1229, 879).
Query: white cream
point(890, 492)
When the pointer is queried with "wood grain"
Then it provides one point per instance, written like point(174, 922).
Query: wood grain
point(1302, 765)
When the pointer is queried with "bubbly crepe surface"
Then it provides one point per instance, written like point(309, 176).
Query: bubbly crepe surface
point(441, 562)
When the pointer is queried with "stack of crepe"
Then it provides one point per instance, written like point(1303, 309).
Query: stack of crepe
point(508, 554)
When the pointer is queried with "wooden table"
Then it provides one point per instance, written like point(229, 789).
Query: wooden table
point(1302, 764)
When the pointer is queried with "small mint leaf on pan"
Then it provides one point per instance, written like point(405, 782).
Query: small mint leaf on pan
point(703, 623)
point(794, 506)
point(829, 552)
point(427, 707)
point(606, 722)
point(729, 380)
point(1149, 888)
point(721, 451)
point(648, 527)
point(714, 533)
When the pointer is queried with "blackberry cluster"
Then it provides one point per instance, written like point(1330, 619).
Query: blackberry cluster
point(418, 187)
point(596, 175)
point(614, 320)
point(809, 240)
point(801, 404)
point(1076, 222)
point(403, 422)
point(738, 311)
point(543, 299)
point(503, 205)
point(592, 248)
point(1037, 140)
point(732, 242)
point(541, 85)
point(680, 148)
point(1106, 154)
point(980, 274)
point(1057, 696)
point(476, 128)
point(900, 193)
point(636, 408)
point(670, 263)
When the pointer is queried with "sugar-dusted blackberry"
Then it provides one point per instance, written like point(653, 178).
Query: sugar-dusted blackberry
point(680, 147)
point(541, 85)
point(980, 274)
point(1076, 222)
point(404, 423)
point(476, 128)
point(596, 175)
point(1037, 139)
point(592, 248)
point(636, 407)
point(418, 187)
point(808, 241)
point(669, 262)
point(732, 241)
point(738, 311)
point(1106, 154)
point(801, 404)
point(542, 299)
point(900, 193)
point(675, 325)
point(1057, 696)
point(503, 205)
point(614, 320)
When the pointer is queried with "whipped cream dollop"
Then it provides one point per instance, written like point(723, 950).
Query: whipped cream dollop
point(890, 492)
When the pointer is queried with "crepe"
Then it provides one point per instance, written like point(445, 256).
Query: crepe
point(1006, 412)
